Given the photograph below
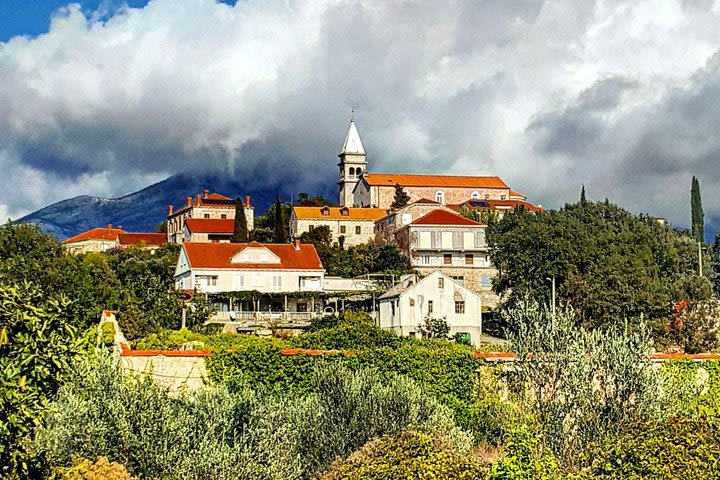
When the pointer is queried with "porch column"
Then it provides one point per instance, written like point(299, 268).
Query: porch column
point(285, 311)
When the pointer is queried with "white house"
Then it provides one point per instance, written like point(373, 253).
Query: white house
point(404, 308)
point(279, 278)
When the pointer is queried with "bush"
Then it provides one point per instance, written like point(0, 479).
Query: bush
point(354, 331)
point(102, 469)
point(678, 449)
point(408, 455)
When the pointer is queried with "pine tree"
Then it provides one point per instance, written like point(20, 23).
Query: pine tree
point(583, 200)
point(696, 212)
point(281, 234)
point(401, 197)
point(240, 230)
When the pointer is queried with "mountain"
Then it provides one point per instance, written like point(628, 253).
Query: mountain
point(141, 211)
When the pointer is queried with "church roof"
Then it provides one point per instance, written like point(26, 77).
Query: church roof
point(444, 181)
point(353, 144)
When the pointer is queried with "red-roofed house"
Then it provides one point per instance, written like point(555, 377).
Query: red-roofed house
point(208, 206)
point(102, 239)
point(208, 230)
point(355, 225)
point(263, 268)
point(455, 245)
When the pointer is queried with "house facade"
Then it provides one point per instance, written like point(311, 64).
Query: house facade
point(452, 244)
point(397, 218)
point(405, 307)
point(206, 206)
point(103, 239)
point(287, 274)
point(348, 226)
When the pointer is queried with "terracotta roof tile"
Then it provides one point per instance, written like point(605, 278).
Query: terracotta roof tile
point(218, 255)
point(443, 217)
point(101, 233)
point(210, 225)
point(447, 181)
point(497, 205)
point(134, 238)
point(334, 213)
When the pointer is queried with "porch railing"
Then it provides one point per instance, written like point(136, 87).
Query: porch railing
point(289, 317)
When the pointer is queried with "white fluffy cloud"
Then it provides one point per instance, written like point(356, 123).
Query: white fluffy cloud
point(618, 94)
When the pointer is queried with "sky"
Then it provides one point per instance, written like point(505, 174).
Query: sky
point(106, 97)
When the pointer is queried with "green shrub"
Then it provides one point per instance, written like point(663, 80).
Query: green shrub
point(408, 455)
point(678, 449)
point(691, 389)
point(522, 460)
point(107, 334)
point(354, 331)
point(102, 469)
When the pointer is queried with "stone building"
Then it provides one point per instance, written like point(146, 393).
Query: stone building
point(208, 230)
point(454, 245)
point(103, 239)
point(205, 206)
point(397, 218)
point(349, 226)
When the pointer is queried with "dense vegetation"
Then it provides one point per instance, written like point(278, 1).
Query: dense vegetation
point(608, 264)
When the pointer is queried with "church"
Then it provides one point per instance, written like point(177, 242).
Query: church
point(360, 188)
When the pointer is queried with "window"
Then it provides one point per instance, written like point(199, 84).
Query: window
point(345, 212)
point(469, 259)
point(311, 228)
point(352, 171)
point(412, 302)
point(325, 211)
point(487, 282)
point(425, 259)
point(342, 228)
point(468, 240)
point(223, 215)
point(277, 282)
point(447, 239)
point(440, 197)
point(358, 230)
point(425, 239)
point(475, 195)
point(447, 258)
point(460, 306)
point(459, 279)
point(430, 306)
point(206, 215)
point(358, 171)
point(441, 282)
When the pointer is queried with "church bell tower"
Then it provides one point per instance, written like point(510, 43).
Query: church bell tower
point(352, 165)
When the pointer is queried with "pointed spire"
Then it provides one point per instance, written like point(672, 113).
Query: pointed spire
point(353, 144)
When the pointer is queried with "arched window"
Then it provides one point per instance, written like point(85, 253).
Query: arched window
point(352, 171)
point(358, 171)
point(475, 195)
point(440, 197)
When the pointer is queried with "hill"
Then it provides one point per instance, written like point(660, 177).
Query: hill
point(143, 210)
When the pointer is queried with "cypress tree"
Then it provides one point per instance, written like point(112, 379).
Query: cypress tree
point(696, 212)
point(240, 230)
point(583, 200)
point(401, 197)
point(280, 227)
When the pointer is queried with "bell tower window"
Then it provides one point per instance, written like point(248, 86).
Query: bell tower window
point(440, 197)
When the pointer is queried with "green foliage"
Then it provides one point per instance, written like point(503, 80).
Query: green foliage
point(240, 227)
point(487, 216)
point(354, 331)
point(401, 197)
point(608, 263)
point(691, 389)
point(579, 384)
point(280, 223)
point(678, 449)
point(583, 200)
point(523, 461)
point(319, 236)
point(697, 216)
point(198, 311)
point(231, 434)
point(408, 455)
point(101, 469)
point(107, 333)
point(304, 200)
point(363, 259)
point(37, 343)
point(434, 327)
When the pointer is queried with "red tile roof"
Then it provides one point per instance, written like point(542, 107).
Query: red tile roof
point(218, 255)
point(108, 234)
point(498, 205)
point(210, 225)
point(216, 196)
point(334, 213)
point(443, 217)
point(128, 238)
point(447, 181)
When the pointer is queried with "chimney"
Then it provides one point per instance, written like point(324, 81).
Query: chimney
point(109, 226)
point(170, 210)
point(296, 243)
point(189, 201)
point(119, 227)
point(206, 193)
point(198, 198)
point(247, 201)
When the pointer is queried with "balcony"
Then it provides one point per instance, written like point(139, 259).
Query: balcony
point(249, 319)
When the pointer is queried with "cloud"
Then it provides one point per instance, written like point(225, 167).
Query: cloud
point(618, 94)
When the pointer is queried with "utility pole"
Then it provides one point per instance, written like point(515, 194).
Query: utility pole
point(553, 295)
point(700, 258)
